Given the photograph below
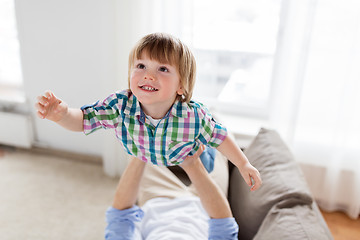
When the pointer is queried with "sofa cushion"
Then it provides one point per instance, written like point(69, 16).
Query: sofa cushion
point(298, 222)
point(282, 179)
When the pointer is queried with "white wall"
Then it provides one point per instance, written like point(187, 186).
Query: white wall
point(70, 47)
point(79, 49)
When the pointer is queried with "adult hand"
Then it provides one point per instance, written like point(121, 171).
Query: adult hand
point(191, 161)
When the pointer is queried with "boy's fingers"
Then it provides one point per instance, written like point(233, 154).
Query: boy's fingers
point(249, 182)
point(42, 100)
point(40, 115)
point(247, 179)
point(255, 187)
point(39, 107)
point(51, 95)
point(257, 182)
point(48, 94)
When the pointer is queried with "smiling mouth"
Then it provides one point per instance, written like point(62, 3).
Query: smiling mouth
point(147, 88)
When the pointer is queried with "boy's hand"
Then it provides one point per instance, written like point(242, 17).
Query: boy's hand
point(50, 107)
point(251, 176)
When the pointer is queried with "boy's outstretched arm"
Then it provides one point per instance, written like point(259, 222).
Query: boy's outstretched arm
point(230, 150)
point(52, 108)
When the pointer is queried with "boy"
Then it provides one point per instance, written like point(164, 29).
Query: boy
point(155, 119)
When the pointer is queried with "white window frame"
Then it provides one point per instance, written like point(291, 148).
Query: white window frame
point(246, 109)
point(11, 83)
point(10, 47)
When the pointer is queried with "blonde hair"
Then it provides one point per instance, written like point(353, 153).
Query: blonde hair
point(167, 49)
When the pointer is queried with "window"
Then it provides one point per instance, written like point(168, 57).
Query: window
point(234, 42)
point(10, 67)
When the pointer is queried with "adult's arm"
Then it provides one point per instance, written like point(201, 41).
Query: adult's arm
point(222, 225)
point(123, 213)
point(211, 196)
point(128, 187)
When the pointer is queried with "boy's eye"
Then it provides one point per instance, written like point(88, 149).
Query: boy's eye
point(140, 66)
point(163, 69)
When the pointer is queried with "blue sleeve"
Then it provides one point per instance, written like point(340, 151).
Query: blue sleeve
point(121, 223)
point(208, 158)
point(223, 228)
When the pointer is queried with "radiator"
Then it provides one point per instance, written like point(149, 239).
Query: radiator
point(16, 130)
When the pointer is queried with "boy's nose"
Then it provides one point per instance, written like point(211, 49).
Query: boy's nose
point(149, 75)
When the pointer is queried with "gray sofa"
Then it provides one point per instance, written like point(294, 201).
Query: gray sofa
point(283, 208)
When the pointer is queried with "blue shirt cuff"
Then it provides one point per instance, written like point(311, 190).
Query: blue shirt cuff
point(121, 223)
point(89, 106)
point(208, 158)
point(223, 228)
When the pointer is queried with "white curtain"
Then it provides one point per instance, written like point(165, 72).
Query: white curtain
point(327, 130)
point(318, 105)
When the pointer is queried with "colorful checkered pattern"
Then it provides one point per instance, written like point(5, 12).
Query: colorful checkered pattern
point(180, 133)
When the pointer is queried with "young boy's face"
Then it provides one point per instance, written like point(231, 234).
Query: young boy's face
point(153, 83)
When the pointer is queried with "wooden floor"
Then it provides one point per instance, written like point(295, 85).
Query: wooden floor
point(341, 226)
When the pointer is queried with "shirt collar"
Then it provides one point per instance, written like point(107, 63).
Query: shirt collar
point(133, 108)
point(180, 109)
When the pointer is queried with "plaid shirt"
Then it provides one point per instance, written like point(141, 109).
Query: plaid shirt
point(177, 135)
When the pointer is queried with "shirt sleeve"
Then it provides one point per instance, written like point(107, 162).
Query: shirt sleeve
point(121, 223)
point(223, 228)
point(211, 133)
point(103, 114)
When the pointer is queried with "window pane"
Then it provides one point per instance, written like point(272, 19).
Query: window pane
point(235, 44)
point(10, 70)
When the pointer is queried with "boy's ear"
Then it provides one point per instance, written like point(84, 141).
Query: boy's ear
point(180, 91)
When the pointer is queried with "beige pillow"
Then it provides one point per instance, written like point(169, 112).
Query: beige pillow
point(299, 222)
point(282, 181)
